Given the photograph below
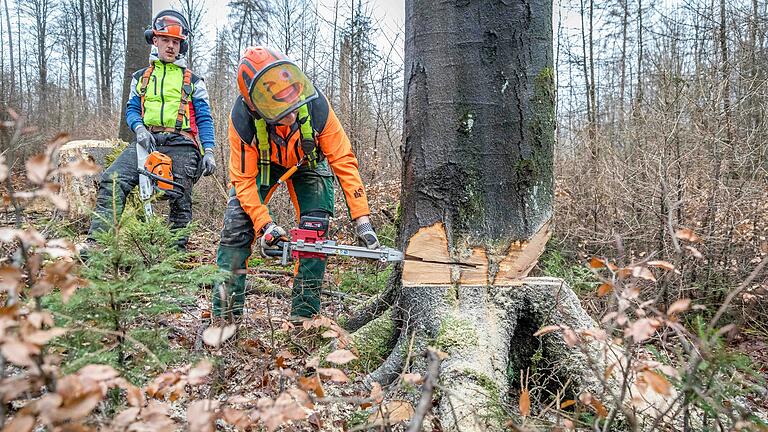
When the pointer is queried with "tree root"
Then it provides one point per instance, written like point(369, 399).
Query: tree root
point(373, 309)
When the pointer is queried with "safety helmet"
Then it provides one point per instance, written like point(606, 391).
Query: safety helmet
point(172, 24)
point(271, 84)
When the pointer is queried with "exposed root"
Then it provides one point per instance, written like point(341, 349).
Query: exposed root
point(392, 366)
point(371, 310)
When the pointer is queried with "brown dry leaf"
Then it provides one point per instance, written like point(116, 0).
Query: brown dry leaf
point(413, 378)
point(122, 421)
point(547, 329)
point(695, 252)
point(201, 415)
point(341, 357)
point(8, 235)
point(312, 362)
point(678, 306)
point(37, 168)
point(11, 388)
point(596, 263)
point(42, 337)
point(391, 413)
point(20, 423)
point(666, 265)
point(328, 334)
point(604, 289)
point(10, 278)
point(570, 337)
point(525, 403)
point(197, 374)
point(98, 372)
point(333, 374)
point(134, 395)
point(566, 403)
point(81, 167)
point(78, 407)
point(19, 353)
point(642, 329)
point(377, 394)
point(687, 234)
point(312, 384)
point(643, 273)
point(3, 169)
point(237, 418)
point(658, 383)
point(215, 336)
point(599, 408)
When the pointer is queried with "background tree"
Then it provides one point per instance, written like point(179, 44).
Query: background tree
point(136, 53)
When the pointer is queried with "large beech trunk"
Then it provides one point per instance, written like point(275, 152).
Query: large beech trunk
point(476, 205)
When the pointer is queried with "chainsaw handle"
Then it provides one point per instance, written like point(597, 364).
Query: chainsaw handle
point(277, 251)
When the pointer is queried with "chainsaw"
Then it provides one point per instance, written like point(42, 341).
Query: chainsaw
point(155, 175)
point(308, 241)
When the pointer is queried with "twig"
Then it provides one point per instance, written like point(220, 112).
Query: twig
point(731, 295)
point(425, 403)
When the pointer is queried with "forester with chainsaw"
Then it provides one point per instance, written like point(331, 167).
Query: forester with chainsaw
point(169, 112)
point(283, 130)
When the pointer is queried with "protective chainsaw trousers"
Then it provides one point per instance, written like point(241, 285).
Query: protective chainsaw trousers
point(311, 192)
point(122, 176)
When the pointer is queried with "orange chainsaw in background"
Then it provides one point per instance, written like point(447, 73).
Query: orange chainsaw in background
point(155, 175)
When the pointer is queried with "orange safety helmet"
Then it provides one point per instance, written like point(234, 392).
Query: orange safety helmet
point(271, 84)
point(172, 24)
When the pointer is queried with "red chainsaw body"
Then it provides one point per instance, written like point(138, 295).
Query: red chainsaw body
point(310, 230)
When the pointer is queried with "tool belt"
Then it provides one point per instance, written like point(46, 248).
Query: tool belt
point(185, 134)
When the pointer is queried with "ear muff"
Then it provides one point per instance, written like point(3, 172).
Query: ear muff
point(149, 33)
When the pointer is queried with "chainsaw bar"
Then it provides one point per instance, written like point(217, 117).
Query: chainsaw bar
point(330, 247)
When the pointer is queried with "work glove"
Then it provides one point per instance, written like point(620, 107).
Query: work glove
point(209, 162)
point(145, 138)
point(272, 235)
point(365, 233)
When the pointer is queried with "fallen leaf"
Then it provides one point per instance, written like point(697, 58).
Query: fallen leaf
point(333, 374)
point(135, 396)
point(10, 278)
point(678, 306)
point(566, 403)
point(413, 378)
point(604, 289)
point(547, 329)
point(377, 394)
point(695, 252)
point(341, 357)
point(237, 418)
point(596, 263)
point(98, 372)
point(123, 420)
point(666, 265)
point(570, 337)
point(599, 408)
point(18, 353)
point(687, 234)
point(658, 383)
point(201, 415)
point(215, 336)
point(42, 337)
point(197, 374)
point(3, 169)
point(525, 403)
point(20, 423)
point(313, 384)
point(330, 334)
point(391, 413)
point(643, 273)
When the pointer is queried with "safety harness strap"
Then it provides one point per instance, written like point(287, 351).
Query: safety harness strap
point(144, 84)
point(308, 144)
point(186, 91)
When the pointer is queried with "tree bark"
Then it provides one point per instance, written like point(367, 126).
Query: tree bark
point(12, 94)
point(136, 52)
point(476, 204)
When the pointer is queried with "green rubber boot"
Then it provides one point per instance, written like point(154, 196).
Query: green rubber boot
point(229, 296)
point(305, 297)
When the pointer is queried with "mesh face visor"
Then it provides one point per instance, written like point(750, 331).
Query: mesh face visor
point(279, 89)
point(171, 27)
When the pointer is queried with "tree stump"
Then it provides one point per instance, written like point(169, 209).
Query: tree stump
point(80, 192)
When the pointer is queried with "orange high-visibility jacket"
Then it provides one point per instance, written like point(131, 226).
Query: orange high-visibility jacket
point(331, 140)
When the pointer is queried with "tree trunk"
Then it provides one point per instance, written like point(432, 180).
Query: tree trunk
point(476, 206)
point(136, 52)
point(12, 94)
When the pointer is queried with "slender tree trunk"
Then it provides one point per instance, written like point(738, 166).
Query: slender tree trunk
point(136, 52)
point(12, 93)
point(623, 60)
point(83, 51)
point(639, 94)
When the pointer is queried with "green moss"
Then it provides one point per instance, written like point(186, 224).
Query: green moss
point(538, 168)
point(455, 333)
point(373, 342)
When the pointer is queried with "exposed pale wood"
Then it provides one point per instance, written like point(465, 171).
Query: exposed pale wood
point(522, 257)
point(81, 191)
point(430, 245)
